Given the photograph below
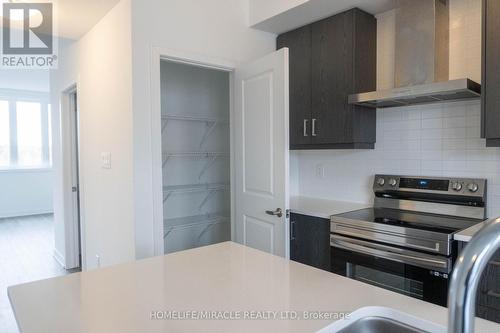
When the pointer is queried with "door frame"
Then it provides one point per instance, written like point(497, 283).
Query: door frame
point(200, 60)
point(73, 234)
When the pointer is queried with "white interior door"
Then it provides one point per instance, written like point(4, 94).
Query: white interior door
point(261, 153)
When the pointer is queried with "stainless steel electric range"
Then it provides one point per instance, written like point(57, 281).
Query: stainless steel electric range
point(405, 242)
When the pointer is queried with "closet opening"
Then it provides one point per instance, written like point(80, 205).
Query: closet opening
point(196, 164)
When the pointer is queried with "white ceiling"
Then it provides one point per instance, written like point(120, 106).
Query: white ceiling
point(74, 18)
point(313, 10)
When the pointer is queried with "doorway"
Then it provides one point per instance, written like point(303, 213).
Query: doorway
point(258, 153)
point(75, 228)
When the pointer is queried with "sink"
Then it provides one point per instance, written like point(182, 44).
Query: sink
point(376, 319)
point(379, 324)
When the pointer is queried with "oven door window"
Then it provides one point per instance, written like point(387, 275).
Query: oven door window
point(402, 278)
point(393, 282)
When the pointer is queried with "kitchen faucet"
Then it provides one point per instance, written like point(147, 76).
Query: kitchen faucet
point(467, 274)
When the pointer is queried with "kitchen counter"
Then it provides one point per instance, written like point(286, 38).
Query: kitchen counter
point(221, 277)
point(322, 208)
point(466, 235)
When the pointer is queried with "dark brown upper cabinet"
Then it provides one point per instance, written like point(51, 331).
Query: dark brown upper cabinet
point(329, 60)
point(299, 43)
point(490, 96)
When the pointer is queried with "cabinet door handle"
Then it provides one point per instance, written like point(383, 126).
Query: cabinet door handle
point(292, 230)
point(492, 293)
point(495, 263)
point(305, 127)
point(313, 127)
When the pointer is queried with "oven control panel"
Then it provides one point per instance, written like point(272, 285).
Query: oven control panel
point(451, 186)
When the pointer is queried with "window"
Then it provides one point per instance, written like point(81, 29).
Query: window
point(29, 134)
point(49, 120)
point(4, 134)
point(25, 132)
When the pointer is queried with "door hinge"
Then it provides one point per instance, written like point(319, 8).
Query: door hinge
point(287, 213)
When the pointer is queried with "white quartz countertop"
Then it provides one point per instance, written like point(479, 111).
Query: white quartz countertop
point(223, 277)
point(466, 235)
point(322, 208)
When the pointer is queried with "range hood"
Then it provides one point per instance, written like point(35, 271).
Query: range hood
point(421, 60)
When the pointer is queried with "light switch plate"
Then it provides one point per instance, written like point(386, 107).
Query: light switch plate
point(106, 160)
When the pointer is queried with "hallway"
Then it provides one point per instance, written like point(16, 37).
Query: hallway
point(26, 254)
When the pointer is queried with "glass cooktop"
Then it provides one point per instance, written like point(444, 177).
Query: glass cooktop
point(407, 219)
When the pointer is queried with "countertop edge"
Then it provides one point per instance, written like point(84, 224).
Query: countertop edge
point(322, 208)
point(467, 234)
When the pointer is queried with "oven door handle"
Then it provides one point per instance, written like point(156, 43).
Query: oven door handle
point(402, 256)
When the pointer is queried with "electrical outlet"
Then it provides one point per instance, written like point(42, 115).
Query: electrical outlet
point(320, 170)
point(106, 160)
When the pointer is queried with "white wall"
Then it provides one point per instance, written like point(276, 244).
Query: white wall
point(216, 28)
point(261, 10)
point(25, 192)
point(434, 140)
point(25, 79)
point(278, 16)
point(60, 79)
point(101, 64)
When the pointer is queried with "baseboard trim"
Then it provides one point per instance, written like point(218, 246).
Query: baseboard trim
point(59, 258)
point(21, 214)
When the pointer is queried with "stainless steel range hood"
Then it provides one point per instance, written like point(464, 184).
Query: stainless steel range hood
point(421, 60)
point(454, 90)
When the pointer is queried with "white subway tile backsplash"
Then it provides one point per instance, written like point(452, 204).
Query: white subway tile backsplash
point(432, 123)
point(435, 144)
point(454, 165)
point(415, 134)
point(454, 110)
point(411, 145)
point(473, 132)
point(473, 121)
point(473, 143)
point(431, 154)
point(409, 142)
point(432, 165)
point(432, 133)
point(454, 122)
point(454, 144)
point(454, 133)
point(433, 112)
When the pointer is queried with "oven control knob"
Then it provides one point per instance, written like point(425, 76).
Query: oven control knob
point(473, 187)
point(381, 181)
point(393, 182)
point(457, 186)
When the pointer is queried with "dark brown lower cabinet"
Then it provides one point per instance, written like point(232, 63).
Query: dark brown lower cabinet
point(310, 241)
point(488, 293)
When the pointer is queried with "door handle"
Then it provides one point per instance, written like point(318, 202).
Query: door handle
point(305, 127)
point(278, 212)
point(313, 127)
